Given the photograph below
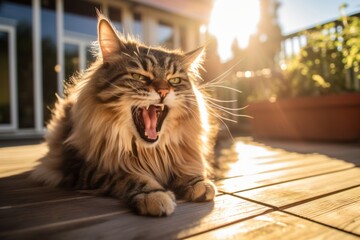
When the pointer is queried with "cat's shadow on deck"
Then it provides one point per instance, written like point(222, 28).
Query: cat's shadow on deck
point(94, 216)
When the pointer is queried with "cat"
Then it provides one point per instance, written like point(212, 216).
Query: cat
point(134, 126)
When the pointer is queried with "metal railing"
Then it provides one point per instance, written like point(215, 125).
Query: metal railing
point(292, 43)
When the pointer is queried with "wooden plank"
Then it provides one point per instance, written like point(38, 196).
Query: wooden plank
point(20, 154)
point(276, 225)
point(281, 157)
point(17, 160)
point(345, 151)
point(17, 181)
point(285, 194)
point(263, 179)
point(341, 210)
point(36, 196)
point(250, 151)
point(250, 166)
point(232, 157)
point(7, 171)
point(188, 219)
point(15, 171)
point(32, 217)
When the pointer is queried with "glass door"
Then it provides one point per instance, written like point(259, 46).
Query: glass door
point(8, 91)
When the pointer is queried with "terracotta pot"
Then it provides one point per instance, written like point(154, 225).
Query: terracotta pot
point(325, 118)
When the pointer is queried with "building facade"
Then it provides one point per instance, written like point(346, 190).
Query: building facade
point(43, 42)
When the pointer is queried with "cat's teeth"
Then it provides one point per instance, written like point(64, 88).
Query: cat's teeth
point(145, 133)
point(160, 105)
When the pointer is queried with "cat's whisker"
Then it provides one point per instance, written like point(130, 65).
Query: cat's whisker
point(229, 112)
point(192, 112)
point(219, 100)
point(213, 113)
point(222, 120)
point(226, 108)
point(148, 51)
point(218, 116)
point(222, 76)
point(186, 110)
point(227, 128)
point(225, 87)
point(128, 55)
point(136, 54)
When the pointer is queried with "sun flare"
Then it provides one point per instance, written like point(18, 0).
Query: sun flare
point(232, 19)
point(204, 116)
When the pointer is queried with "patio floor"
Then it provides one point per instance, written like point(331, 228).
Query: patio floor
point(264, 193)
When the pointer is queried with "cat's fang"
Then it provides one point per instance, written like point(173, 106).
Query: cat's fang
point(162, 106)
point(158, 106)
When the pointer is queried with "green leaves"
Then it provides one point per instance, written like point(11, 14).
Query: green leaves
point(330, 52)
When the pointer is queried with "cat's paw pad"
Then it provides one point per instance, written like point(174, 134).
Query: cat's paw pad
point(201, 191)
point(157, 204)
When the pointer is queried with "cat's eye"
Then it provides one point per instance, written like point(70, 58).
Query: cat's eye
point(140, 77)
point(175, 80)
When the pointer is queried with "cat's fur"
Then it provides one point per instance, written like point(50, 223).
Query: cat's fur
point(94, 143)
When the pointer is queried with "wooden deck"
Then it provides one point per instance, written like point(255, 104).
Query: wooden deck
point(264, 193)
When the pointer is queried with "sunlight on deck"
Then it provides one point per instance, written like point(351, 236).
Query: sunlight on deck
point(248, 151)
point(20, 159)
point(240, 159)
point(259, 222)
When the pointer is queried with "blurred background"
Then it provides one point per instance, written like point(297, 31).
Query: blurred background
point(271, 50)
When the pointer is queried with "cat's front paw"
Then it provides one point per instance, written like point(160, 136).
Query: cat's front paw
point(157, 204)
point(201, 191)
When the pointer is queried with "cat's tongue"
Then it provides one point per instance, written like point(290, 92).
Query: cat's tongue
point(150, 120)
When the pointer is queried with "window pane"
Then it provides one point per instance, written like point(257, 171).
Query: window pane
point(18, 14)
point(80, 16)
point(48, 43)
point(165, 35)
point(72, 63)
point(115, 17)
point(4, 79)
point(138, 27)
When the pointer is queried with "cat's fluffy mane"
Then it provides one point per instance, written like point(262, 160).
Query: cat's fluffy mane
point(105, 135)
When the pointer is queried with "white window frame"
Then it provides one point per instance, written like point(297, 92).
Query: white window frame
point(13, 79)
point(83, 41)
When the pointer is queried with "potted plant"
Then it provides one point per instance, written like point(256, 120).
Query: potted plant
point(316, 96)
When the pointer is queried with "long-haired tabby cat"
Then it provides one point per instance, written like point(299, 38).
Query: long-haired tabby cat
point(134, 126)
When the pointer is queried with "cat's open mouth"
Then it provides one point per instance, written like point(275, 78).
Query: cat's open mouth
point(148, 120)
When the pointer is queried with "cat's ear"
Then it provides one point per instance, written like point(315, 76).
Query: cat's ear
point(108, 39)
point(194, 58)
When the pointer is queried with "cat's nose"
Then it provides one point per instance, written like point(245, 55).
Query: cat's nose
point(163, 92)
